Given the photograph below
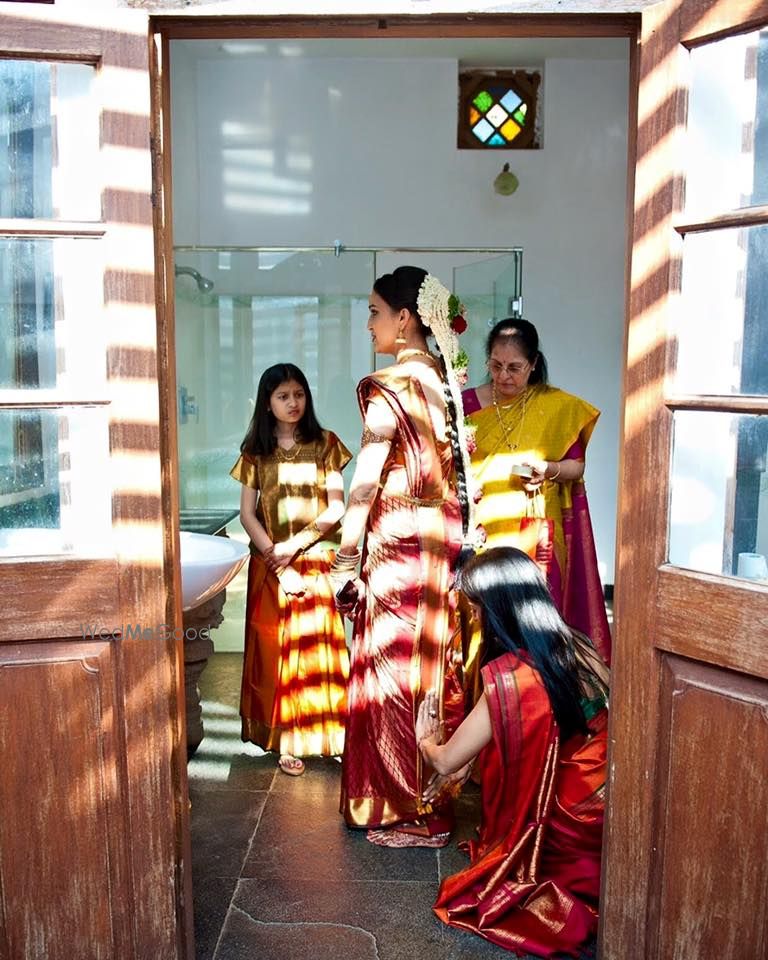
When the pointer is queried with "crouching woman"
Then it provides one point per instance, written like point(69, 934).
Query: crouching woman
point(540, 730)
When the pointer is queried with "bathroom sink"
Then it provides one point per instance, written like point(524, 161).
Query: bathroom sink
point(207, 565)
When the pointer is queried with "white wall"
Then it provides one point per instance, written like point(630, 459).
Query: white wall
point(291, 150)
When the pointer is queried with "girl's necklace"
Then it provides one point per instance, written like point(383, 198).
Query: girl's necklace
point(281, 453)
point(517, 408)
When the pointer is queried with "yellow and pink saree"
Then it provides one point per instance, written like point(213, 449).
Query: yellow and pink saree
point(553, 525)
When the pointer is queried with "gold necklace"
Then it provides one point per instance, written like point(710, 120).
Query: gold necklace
point(512, 410)
point(282, 455)
point(404, 355)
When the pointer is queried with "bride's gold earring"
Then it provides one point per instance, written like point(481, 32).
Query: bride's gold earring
point(400, 339)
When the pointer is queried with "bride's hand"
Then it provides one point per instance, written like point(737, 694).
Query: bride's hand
point(427, 720)
point(348, 595)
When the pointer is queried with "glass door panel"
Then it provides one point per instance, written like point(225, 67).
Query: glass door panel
point(49, 148)
point(262, 308)
point(491, 290)
point(727, 129)
point(721, 315)
point(719, 498)
point(55, 495)
point(54, 402)
point(51, 333)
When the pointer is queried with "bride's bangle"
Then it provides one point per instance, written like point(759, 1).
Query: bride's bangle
point(345, 562)
point(556, 475)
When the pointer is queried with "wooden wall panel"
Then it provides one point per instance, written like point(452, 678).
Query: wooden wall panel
point(711, 871)
point(63, 848)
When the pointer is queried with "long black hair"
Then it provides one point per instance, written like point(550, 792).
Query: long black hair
point(260, 436)
point(518, 614)
point(525, 337)
point(400, 290)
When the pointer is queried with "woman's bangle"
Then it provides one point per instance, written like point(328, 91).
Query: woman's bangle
point(345, 562)
point(556, 475)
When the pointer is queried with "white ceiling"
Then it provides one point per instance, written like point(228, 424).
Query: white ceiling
point(470, 52)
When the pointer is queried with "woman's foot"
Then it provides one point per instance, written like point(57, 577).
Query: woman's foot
point(293, 766)
point(399, 838)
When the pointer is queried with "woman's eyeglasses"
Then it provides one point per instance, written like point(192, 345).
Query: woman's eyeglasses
point(514, 368)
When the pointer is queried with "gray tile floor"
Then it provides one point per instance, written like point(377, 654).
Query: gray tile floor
point(277, 874)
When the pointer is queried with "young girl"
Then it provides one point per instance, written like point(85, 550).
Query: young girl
point(296, 665)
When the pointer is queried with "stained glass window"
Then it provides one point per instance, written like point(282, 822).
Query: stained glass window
point(497, 109)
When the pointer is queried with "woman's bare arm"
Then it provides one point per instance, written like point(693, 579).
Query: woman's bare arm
point(380, 426)
point(473, 734)
point(257, 533)
point(289, 578)
point(559, 471)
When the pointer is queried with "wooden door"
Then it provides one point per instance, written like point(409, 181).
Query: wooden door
point(93, 831)
point(686, 863)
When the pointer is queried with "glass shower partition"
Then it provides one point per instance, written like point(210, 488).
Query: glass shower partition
point(490, 289)
point(239, 312)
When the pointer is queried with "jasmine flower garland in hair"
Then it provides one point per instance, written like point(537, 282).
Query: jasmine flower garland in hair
point(461, 366)
point(457, 310)
point(441, 312)
point(470, 431)
point(433, 307)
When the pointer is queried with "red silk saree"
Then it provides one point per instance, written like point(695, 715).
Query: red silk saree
point(404, 623)
point(534, 879)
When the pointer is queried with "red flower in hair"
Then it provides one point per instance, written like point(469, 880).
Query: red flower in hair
point(458, 324)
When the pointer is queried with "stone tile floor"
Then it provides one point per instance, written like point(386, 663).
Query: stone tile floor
point(276, 873)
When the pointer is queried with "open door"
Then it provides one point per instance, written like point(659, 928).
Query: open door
point(686, 871)
point(93, 829)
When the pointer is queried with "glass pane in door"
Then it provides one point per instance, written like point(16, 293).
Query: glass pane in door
point(53, 494)
point(49, 147)
point(51, 330)
point(719, 500)
point(721, 317)
point(727, 129)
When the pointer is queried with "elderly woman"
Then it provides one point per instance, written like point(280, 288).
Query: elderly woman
point(541, 723)
point(528, 463)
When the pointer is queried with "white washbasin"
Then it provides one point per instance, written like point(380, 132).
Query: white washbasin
point(207, 565)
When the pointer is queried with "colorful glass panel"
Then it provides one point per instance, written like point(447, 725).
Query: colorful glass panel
point(510, 129)
point(495, 109)
point(510, 101)
point(483, 101)
point(482, 130)
point(497, 115)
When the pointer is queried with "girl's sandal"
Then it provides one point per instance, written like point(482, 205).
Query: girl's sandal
point(293, 766)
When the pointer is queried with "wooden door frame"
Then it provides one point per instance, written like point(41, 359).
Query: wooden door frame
point(148, 843)
point(436, 26)
point(630, 906)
